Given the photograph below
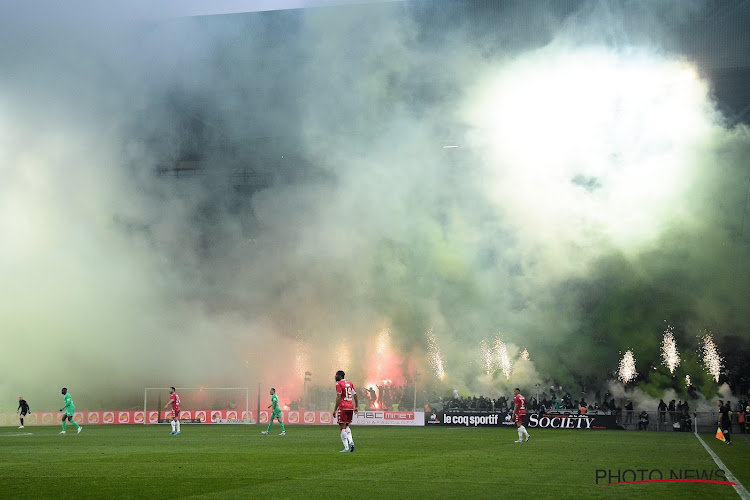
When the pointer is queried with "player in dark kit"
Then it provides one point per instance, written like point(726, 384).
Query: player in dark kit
point(346, 405)
point(23, 406)
point(519, 414)
point(725, 422)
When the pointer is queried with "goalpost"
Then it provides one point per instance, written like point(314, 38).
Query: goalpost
point(230, 404)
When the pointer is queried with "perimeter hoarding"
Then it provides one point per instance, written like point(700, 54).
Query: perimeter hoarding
point(127, 417)
point(532, 421)
point(411, 418)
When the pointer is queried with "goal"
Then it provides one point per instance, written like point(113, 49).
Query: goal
point(216, 405)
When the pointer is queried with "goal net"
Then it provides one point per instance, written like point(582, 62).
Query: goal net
point(208, 405)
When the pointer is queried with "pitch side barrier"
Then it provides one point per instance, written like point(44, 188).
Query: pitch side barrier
point(700, 421)
point(533, 420)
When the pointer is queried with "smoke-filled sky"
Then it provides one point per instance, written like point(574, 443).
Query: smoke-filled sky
point(596, 195)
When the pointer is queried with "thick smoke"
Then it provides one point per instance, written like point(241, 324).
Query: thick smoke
point(595, 192)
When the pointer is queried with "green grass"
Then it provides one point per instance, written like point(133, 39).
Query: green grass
point(234, 461)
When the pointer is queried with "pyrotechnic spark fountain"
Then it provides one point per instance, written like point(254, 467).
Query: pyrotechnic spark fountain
point(669, 353)
point(627, 371)
point(688, 383)
point(489, 363)
point(525, 354)
point(503, 359)
point(711, 358)
point(434, 355)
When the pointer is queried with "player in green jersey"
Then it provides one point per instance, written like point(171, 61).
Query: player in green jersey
point(276, 413)
point(69, 410)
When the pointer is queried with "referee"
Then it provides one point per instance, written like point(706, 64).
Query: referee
point(725, 422)
point(23, 406)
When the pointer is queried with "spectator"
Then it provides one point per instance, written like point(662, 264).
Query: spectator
point(729, 412)
point(741, 417)
point(686, 423)
point(662, 411)
point(672, 411)
point(629, 413)
point(643, 421)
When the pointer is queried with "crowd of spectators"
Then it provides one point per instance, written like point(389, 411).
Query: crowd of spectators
point(389, 396)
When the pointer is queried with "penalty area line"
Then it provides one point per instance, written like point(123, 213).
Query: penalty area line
point(738, 487)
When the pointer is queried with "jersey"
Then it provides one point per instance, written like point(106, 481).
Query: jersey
point(68, 406)
point(275, 408)
point(520, 404)
point(175, 400)
point(23, 406)
point(346, 390)
point(724, 419)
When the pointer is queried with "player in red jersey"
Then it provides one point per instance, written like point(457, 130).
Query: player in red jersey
point(174, 400)
point(346, 405)
point(519, 414)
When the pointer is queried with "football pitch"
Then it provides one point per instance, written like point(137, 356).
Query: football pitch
point(236, 461)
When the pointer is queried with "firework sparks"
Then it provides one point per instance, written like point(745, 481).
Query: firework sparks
point(688, 383)
point(434, 355)
point(627, 372)
point(525, 354)
point(488, 357)
point(669, 353)
point(503, 359)
point(711, 358)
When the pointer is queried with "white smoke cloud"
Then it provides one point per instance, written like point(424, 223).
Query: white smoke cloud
point(118, 278)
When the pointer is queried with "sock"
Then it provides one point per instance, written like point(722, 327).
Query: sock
point(65, 423)
point(76, 424)
point(21, 420)
point(270, 424)
point(174, 426)
point(178, 426)
point(349, 435)
point(520, 433)
point(282, 426)
point(523, 430)
point(344, 439)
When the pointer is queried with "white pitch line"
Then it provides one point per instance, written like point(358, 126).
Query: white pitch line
point(741, 491)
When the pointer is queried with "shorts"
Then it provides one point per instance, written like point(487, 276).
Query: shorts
point(24, 413)
point(726, 426)
point(520, 418)
point(346, 416)
point(69, 412)
point(276, 414)
point(176, 413)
